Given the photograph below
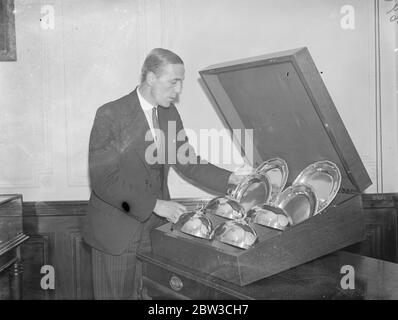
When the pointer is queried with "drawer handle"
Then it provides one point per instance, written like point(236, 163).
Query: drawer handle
point(176, 283)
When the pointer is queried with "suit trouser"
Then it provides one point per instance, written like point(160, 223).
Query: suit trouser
point(119, 277)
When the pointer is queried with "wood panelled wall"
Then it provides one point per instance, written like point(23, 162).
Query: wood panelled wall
point(381, 212)
point(55, 228)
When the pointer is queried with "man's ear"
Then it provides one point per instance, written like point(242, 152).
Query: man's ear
point(150, 78)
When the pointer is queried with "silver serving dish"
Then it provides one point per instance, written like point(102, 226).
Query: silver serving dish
point(236, 233)
point(270, 216)
point(299, 202)
point(225, 207)
point(325, 178)
point(195, 223)
point(277, 172)
point(254, 190)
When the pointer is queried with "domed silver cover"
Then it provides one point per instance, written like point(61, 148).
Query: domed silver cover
point(277, 172)
point(299, 202)
point(270, 216)
point(325, 179)
point(195, 223)
point(236, 233)
point(225, 207)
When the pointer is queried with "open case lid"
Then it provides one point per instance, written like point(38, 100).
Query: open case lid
point(282, 97)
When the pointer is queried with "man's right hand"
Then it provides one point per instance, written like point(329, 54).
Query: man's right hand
point(169, 209)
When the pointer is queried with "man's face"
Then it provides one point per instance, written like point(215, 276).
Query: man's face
point(167, 86)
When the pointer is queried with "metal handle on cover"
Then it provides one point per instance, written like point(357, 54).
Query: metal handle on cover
point(176, 283)
point(231, 191)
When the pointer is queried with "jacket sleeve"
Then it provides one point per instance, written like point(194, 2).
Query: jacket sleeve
point(205, 174)
point(108, 165)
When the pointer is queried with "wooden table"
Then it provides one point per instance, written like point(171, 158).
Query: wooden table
point(318, 279)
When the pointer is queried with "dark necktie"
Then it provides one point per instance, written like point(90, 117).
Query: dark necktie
point(158, 139)
point(155, 122)
point(158, 134)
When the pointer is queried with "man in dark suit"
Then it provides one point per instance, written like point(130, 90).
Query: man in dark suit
point(129, 195)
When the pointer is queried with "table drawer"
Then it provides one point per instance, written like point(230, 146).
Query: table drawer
point(165, 284)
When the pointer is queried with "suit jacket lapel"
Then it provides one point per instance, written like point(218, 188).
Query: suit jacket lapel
point(138, 128)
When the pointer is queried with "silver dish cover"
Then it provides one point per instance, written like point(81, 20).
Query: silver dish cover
point(270, 216)
point(195, 223)
point(237, 233)
point(225, 207)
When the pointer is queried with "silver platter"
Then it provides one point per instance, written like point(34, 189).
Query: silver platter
point(325, 178)
point(196, 224)
point(254, 190)
point(277, 172)
point(236, 233)
point(270, 216)
point(225, 207)
point(299, 202)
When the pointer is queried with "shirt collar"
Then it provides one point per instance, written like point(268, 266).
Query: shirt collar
point(145, 105)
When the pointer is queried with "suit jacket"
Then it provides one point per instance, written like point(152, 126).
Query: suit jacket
point(123, 188)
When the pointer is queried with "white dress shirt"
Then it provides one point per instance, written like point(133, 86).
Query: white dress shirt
point(147, 108)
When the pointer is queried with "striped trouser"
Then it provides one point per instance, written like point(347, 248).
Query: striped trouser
point(119, 277)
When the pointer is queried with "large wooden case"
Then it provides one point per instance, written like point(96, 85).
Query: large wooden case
point(284, 100)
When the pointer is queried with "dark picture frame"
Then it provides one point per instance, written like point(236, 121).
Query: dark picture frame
point(8, 51)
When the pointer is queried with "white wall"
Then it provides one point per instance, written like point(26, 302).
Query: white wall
point(93, 54)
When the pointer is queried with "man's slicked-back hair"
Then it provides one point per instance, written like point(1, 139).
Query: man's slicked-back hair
point(157, 59)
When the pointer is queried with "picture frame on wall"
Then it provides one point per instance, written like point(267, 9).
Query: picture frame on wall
point(8, 51)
